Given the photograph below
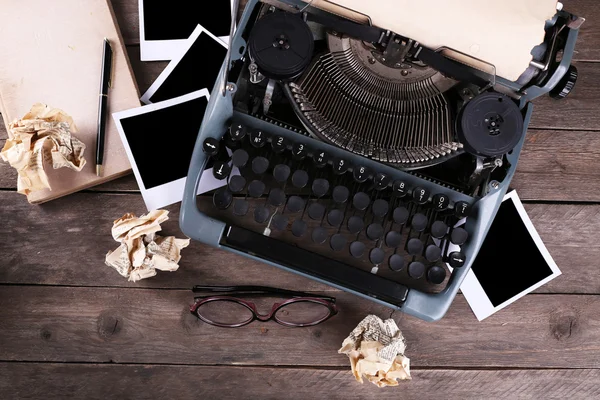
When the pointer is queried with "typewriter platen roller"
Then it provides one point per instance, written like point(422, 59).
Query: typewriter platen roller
point(354, 155)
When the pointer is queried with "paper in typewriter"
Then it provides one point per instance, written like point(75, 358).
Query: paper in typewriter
point(499, 32)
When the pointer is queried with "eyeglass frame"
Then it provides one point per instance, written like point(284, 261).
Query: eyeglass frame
point(230, 293)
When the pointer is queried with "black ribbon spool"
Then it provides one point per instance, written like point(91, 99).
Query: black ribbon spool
point(490, 125)
point(281, 45)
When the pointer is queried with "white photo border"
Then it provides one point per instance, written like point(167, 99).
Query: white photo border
point(170, 192)
point(163, 50)
point(173, 64)
point(471, 287)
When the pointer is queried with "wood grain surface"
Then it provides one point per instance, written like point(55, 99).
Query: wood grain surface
point(83, 381)
point(153, 326)
point(71, 327)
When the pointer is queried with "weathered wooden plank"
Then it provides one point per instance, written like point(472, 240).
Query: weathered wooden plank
point(64, 324)
point(64, 242)
point(587, 44)
point(98, 381)
point(576, 112)
point(560, 166)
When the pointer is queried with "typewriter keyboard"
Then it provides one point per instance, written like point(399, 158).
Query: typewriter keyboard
point(297, 191)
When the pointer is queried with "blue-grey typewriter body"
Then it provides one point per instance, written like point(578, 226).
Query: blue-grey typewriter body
point(326, 177)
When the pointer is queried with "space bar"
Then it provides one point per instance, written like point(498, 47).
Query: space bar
point(315, 265)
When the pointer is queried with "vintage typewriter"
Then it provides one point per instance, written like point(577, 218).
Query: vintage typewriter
point(361, 157)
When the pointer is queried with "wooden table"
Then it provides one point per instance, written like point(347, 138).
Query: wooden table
point(72, 327)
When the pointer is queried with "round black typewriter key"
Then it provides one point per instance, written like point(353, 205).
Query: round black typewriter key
point(295, 204)
point(256, 189)
point(436, 274)
point(321, 159)
point(440, 201)
point(355, 224)
point(240, 207)
point(420, 195)
point(261, 214)
point(240, 158)
point(335, 217)
point(380, 208)
point(299, 228)
point(382, 181)
point(461, 209)
point(433, 253)
point(376, 256)
point(260, 165)
point(459, 236)
point(237, 131)
point(210, 146)
point(316, 211)
point(337, 242)
point(396, 262)
point(222, 198)
point(414, 247)
point(340, 194)
point(319, 235)
point(281, 173)
point(279, 144)
point(400, 215)
point(276, 197)
point(320, 187)
point(374, 231)
point(221, 170)
point(400, 188)
point(258, 139)
point(419, 222)
point(416, 269)
point(299, 151)
point(340, 166)
point(438, 229)
point(393, 239)
point(357, 249)
point(361, 201)
point(361, 173)
point(299, 179)
point(456, 259)
point(279, 222)
point(237, 183)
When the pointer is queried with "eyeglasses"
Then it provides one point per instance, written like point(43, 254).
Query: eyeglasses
point(226, 307)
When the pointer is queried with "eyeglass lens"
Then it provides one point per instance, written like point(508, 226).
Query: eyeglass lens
point(225, 312)
point(302, 312)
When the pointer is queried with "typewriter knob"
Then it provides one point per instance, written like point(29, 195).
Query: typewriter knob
point(566, 84)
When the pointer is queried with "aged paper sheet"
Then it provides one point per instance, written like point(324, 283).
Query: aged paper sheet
point(499, 32)
point(44, 133)
point(376, 351)
point(142, 252)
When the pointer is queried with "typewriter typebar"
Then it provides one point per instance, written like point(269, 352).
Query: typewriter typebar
point(360, 158)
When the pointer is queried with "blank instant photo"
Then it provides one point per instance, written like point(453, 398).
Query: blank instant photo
point(166, 25)
point(197, 67)
point(159, 140)
point(512, 261)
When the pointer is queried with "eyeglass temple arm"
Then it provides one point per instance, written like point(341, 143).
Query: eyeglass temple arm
point(256, 290)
